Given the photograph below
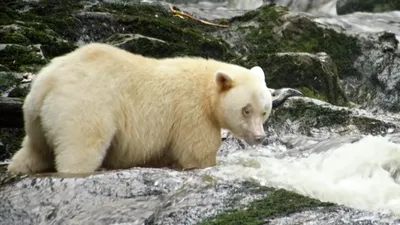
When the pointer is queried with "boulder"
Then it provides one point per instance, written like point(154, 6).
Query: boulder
point(350, 6)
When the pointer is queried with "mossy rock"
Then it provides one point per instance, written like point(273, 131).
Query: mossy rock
point(310, 115)
point(279, 202)
point(143, 45)
point(57, 27)
point(270, 29)
point(314, 74)
point(350, 6)
point(22, 58)
point(8, 81)
point(148, 23)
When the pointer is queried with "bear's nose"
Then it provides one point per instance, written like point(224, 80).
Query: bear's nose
point(260, 138)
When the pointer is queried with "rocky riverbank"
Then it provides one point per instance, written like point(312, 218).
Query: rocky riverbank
point(346, 78)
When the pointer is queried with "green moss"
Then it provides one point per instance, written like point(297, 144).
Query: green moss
point(22, 58)
point(312, 94)
point(7, 81)
point(145, 46)
point(13, 37)
point(281, 33)
point(351, 6)
point(310, 116)
point(318, 116)
point(315, 76)
point(4, 68)
point(46, 22)
point(278, 203)
point(184, 37)
point(371, 125)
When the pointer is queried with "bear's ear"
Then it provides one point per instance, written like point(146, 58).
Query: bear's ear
point(223, 80)
point(258, 71)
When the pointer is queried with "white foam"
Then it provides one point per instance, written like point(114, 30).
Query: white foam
point(358, 175)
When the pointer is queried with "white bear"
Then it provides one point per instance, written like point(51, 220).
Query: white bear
point(100, 106)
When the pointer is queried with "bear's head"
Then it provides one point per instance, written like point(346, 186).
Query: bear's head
point(245, 102)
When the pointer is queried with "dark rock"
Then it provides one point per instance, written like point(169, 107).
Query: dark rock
point(350, 6)
point(11, 113)
point(10, 142)
point(378, 88)
point(154, 196)
point(315, 75)
point(314, 118)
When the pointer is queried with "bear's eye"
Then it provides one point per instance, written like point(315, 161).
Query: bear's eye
point(246, 111)
point(264, 113)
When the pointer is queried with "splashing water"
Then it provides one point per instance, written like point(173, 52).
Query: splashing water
point(364, 174)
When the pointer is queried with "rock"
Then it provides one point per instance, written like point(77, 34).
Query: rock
point(19, 58)
point(8, 81)
point(156, 196)
point(333, 216)
point(272, 29)
point(350, 6)
point(315, 75)
point(10, 142)
point(315, 118)
point(150, 30)
point(376, 85)
point(11, 113)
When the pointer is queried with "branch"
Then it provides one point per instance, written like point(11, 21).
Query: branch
point(179, 13)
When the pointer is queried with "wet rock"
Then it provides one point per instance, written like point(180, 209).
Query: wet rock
point(10, 142)
point(377, 85)
point(335, 216)
point(315, 118)
point(8, 81)
point(350, 6)
point(315, 75)
point(19, 58)
point(156, 196)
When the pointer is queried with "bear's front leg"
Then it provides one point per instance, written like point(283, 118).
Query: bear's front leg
point(194, 150)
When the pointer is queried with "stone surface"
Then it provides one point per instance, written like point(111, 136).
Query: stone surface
point(350, 6)
point(314, 74)
point(377, 85)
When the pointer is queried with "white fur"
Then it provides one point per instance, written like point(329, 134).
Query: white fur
point(100, 106)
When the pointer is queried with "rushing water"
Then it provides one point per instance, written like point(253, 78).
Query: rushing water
point(363, 174)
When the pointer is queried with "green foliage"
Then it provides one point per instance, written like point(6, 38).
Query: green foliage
point(279, 203)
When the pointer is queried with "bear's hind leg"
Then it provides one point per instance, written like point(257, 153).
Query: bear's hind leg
point(83, 148)
point(29, 159)
point(35, 154)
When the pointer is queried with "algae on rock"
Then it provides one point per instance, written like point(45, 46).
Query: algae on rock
point(312, 117)
point(350, 6)
point(272, 29)
point(314, 74)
